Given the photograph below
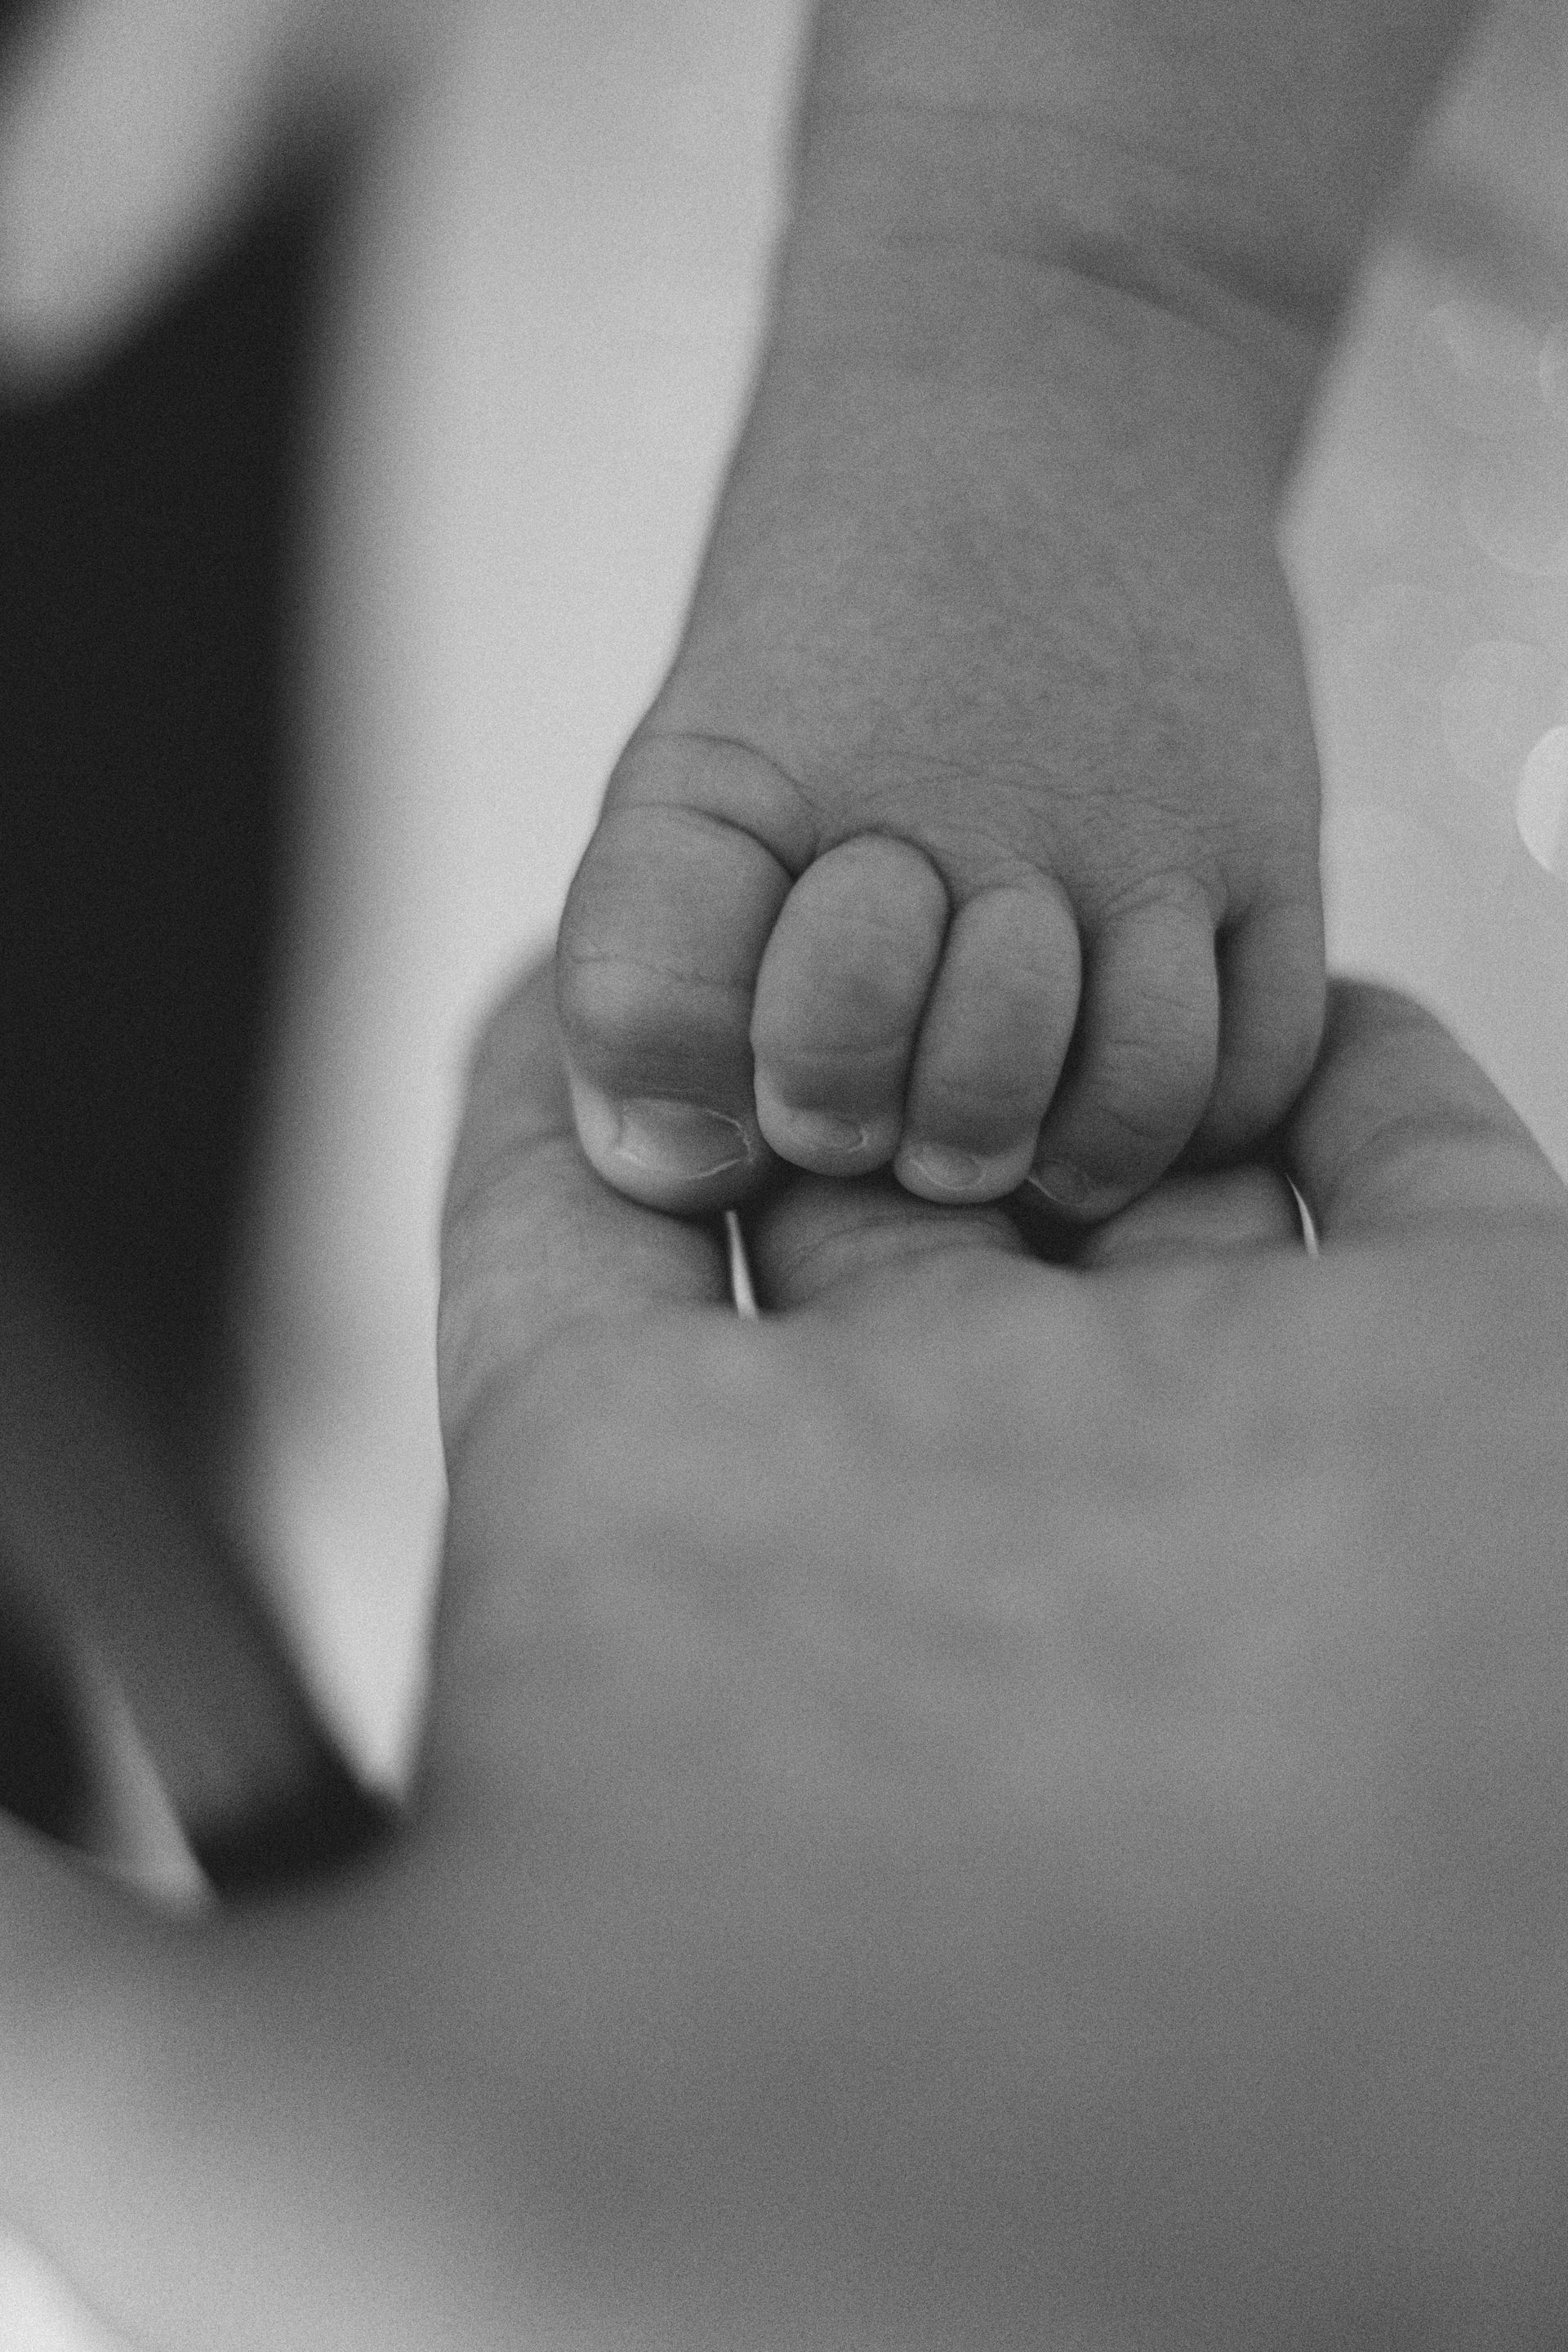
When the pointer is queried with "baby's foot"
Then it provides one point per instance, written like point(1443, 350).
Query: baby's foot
point(974, 831)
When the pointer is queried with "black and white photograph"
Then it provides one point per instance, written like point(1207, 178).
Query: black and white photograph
point(784, 1176)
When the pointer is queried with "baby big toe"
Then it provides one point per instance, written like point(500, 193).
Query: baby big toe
point(662, 934)
point(839, 995)
point(992, 1044)
point(1144, 1062)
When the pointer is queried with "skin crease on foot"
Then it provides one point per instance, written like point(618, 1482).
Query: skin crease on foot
point(974, 831)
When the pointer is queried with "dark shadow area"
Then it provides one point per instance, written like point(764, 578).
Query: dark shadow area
point(44, 1776)
point(143, 588)
point(147, 547)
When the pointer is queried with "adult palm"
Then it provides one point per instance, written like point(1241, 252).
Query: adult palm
point(1002, 1803)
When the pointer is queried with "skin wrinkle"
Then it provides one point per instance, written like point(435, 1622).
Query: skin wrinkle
point(795, 860)
point(1190, 288)
point(1133, 78)
point(870, 751)
point(1048, 342)
point(783, 1270)
point(576, 959)
point(1114, 263)
point(710, 820)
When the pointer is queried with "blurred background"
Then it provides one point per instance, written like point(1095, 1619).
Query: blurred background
point(366, 374)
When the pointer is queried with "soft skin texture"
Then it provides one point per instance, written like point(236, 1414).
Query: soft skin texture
point(1000, 1804)
point(990, 706)
point(974, 830)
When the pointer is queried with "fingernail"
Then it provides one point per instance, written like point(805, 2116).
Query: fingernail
point(946, 1167)
point(945, 1172)
point(1062, 1188)
point(663, 1137)
point(821, 1139)
point(680, 1139)
point(821, 1132)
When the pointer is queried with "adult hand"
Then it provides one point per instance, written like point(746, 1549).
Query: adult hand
point(1001, 1804)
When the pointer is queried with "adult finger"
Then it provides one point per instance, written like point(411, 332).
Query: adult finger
point(533, 1239)
point(820, 1235)
point(1198, 1216)
point(133, 132)
point(1398, 1125)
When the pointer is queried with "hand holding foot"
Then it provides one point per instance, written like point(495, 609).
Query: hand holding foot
point(974, 831)
point(984, 786)
point(1000, 1804)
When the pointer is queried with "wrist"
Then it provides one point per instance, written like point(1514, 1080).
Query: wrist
point(939, 239)
point(921, 266)
point(1220, 163)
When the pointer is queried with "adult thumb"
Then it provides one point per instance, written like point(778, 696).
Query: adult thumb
point(1399, 1126)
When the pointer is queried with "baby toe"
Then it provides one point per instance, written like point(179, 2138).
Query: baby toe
point(996, 1031)
point(1142, 1063)
point(843, 983)
point(1272, 992)
point(660, 940)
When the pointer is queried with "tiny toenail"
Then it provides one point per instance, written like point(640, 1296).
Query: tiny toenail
point(679, 1138)
point(1062, 1186)
point(824, 1130)
point(948, 1167)
point(826, 1140)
